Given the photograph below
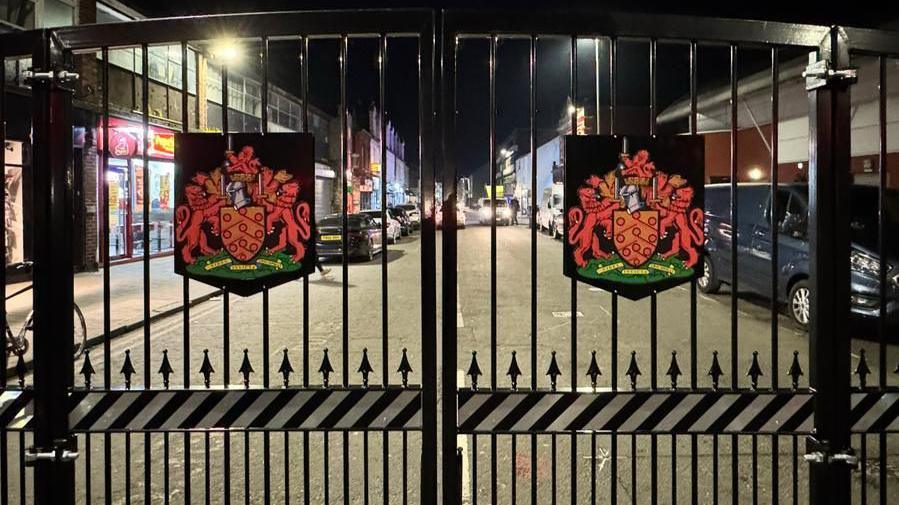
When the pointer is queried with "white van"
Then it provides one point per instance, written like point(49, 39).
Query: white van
point(550, 207)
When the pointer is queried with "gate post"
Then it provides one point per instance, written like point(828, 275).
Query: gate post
point(829, 453)
point(54, 452)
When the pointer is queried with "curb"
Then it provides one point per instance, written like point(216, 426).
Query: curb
point(127, 328)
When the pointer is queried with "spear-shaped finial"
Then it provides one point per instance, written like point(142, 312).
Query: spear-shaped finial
point(87, 369)
point(593, 370)
point(862, 370)
point(127, 369)
point(673, 370)
point(365, 367)
point(755, 371)
point(21, 369)
point(206, 367)
point(405, 368)
point(553, 371)
point(715, 371)
point(165, 368)
point(474, 370)
point(325, 369)
point(795, 371)
point(246, 368)
point(285, 369)
point(514, 371)
point(633, 370)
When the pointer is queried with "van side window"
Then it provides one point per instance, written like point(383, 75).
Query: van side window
point(783, 200)
point(796, 207)
point(750, 200)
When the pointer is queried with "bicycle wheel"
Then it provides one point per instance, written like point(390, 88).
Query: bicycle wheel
point(80, 332)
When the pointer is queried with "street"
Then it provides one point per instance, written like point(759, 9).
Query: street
point(473, 321)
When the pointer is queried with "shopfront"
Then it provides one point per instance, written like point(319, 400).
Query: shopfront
point(125, 175)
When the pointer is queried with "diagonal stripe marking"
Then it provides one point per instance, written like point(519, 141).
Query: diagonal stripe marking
point(678, 413)
point(639, 413)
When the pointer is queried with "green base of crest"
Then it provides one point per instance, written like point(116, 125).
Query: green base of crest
point(614, 269)
point(223, 266)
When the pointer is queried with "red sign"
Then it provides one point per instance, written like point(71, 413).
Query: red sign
point(125, 140)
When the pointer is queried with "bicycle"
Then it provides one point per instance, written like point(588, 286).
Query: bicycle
point(19, 343)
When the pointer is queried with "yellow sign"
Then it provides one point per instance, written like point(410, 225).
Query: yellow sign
point(375, 168)
point(499, 191)
point(330, 237)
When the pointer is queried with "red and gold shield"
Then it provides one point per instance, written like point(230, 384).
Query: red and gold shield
point(243, 231)
point(636, 235)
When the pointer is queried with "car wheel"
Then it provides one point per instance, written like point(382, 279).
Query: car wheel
point(371, 251)
point(709, 282)
point(800, 303)
point(552, 231)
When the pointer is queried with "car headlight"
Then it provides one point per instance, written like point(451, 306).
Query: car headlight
point(862, 263)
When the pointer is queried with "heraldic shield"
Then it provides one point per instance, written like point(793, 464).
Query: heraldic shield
point(636, 235)
point(243, 231)
point(244, 216)
point(634, 212)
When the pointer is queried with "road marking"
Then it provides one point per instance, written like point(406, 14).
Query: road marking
point(460, 323)
point(464, 441)
point(566, 314)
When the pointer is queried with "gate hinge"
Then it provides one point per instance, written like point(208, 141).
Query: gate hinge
point(58, 76)
point(63, 450)
point(821, 453)
point(819, 74)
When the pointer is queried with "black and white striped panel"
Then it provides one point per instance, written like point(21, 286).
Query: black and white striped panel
point(479, 412)
point(664, 412)
point(15, 408)
point(254, 409)
point(635, 412)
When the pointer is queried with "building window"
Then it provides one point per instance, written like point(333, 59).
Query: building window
point(19, 13)
point(57, 13)
point(164, 64)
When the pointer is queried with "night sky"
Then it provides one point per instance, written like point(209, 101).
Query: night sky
point(512, 91)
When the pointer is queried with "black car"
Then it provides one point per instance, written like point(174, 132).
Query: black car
point(401, 216)
point(794, 290)
point(363, 237)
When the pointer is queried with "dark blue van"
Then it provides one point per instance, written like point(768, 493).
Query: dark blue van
point(754, 246)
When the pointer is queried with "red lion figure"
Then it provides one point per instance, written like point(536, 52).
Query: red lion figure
point(203, 204)
point(688, 229)
point(597, 206)
point(296, 220)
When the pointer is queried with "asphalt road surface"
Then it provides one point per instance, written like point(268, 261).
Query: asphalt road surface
point(513, 323)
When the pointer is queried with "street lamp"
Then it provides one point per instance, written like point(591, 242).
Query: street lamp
point(226, 51)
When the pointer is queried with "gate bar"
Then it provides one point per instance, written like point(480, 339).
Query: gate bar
point(53, 276)
point(829, 183)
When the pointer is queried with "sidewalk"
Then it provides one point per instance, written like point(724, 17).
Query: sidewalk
point(126, 297)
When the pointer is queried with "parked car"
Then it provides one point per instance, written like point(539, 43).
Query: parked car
point(403, 218)
point(393, 226)
point(754, 246)
point(413, 213)
point(363, 237)
point(503, 212)
point(550, 208)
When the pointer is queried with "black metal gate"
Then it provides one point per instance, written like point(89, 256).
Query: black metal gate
point(768, 434)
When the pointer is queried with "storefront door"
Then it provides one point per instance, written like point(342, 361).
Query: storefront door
point(119, 214)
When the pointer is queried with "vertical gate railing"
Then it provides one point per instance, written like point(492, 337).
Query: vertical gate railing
point(567, 411)
point(830, 410)
point(149, 415)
